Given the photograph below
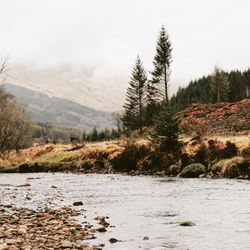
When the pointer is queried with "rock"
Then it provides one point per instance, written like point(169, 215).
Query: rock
point(232, 168)
point(66, 244)
point(202, 176)
point(101, 229)
point(10, 241)
point(113, 240)
point(77, 203)
point(186, 224)
point(173, 170)
point(26, 184)
point(4, 246)
point(145, 238)
point(22, 231)
point(102, 221)
point(193, 170)
point(53, 186)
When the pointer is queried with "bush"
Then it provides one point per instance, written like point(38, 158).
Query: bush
point(193, 170)
point(202, 154)
point(126, 160)
point(215, 150)
point(157, 161)
point(166, 130)
point(230, 150)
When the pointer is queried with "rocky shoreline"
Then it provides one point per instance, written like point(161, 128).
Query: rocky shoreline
point(26, 229)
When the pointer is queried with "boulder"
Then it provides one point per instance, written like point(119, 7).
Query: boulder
point(232, 168)
point(193, 170)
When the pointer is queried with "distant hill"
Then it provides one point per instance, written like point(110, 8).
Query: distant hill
point(60, 111)
point(220, 118)
point(81, 84)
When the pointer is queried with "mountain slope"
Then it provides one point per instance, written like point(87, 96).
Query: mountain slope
point(84, 85)
point(220, 118)
point(59, 111)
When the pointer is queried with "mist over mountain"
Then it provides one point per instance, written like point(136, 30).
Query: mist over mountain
point(90, 86)
point(60, 111)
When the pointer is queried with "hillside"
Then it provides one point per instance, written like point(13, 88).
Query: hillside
point(222, 118)
point(59, 111)
point(85, 85)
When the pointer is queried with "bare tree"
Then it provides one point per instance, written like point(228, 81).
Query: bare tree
point(117, 116)
point(15, 131)
point(3, 67)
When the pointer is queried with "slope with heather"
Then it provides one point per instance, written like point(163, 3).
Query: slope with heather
point(221, 118)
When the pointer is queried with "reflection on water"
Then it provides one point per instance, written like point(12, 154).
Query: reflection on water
point(141, 206)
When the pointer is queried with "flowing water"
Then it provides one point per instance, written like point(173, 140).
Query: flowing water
point(139, 206)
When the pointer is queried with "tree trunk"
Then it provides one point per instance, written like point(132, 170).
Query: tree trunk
point(218, 93)
point(140, 115)
point(166, 84)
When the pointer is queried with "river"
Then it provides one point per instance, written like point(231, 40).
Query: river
point(139, 206)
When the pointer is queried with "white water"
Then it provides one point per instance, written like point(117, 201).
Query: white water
point(146, 206)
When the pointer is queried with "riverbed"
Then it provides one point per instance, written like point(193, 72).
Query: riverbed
point(139, 206)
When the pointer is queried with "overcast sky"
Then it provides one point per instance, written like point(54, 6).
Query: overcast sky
point(108, 34)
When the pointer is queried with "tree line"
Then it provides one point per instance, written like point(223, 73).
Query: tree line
point(220, 86)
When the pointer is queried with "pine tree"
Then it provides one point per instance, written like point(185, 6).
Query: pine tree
point(247, 83)
point(161, 72)
point(219, 85)
point(135, 98)
point(166, 129)
point(94, 135)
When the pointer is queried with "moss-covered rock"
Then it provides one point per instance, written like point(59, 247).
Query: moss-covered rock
point(245, 152)
point(173, 170)
point(232, 168)
point(193, 170)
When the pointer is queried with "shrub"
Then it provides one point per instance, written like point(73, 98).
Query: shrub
point(202, 154)
point(215, 150)
point(127, 159)
point(230, 150)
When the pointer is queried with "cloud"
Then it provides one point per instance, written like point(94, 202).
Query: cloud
point(106, 35)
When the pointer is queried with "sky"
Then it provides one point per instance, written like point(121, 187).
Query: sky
point(105, 36)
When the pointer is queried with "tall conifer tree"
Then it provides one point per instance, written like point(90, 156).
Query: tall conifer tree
point(161, 71)
point(219, 85)
point(135, 98)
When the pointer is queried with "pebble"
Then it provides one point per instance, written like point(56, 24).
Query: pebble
point(186, 224)
point(78, 203)
point(27, 229)
point(113, 240)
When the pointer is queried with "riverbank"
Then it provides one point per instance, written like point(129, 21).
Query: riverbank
point(220, 157)
point(144, 212)
point(23, 228)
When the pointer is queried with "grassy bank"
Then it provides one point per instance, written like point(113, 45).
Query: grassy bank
point(211, 157)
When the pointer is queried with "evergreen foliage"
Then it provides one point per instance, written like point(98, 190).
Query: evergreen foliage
point(135, 98)
point(219, 85)
point(200, 90)
point(166, 129)
point(160, 74)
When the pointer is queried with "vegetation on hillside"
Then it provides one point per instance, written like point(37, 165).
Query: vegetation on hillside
point(220, 86)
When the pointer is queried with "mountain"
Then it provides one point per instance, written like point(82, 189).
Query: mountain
point(89, 86)
point(59, 111)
